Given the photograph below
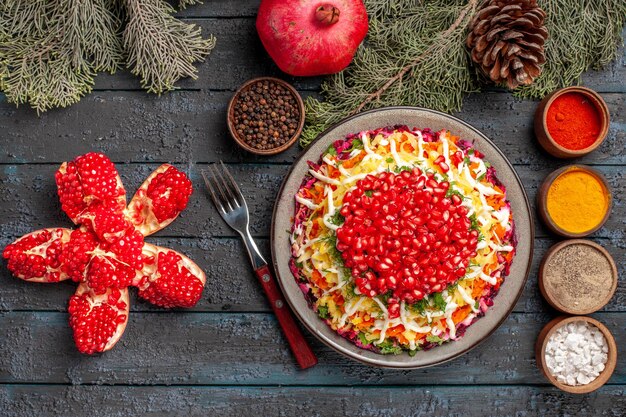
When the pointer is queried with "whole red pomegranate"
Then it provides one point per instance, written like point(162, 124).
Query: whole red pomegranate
point(311, 37)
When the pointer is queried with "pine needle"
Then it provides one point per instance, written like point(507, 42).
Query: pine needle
point(161, 49)
point(51, 50)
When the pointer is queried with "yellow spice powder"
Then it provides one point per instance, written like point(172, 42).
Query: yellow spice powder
point(577, 201)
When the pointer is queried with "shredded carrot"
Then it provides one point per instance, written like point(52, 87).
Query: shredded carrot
point(460, 314)
point(402, 339)
point(319, 280)
point(333, 172)
point(491, 267)
point(499, 231)
point(352, 162)
point(408, 146)
point(396, 330)
point(477, 289)
point(496, 201)
point(315, 229)
point(338, 298)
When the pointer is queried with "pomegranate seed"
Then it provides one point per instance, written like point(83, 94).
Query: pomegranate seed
point(406, 236)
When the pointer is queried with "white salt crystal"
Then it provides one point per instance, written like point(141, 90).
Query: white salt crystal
point(576, 353)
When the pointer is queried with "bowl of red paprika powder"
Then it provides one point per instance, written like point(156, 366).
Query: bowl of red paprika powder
point(571, 122)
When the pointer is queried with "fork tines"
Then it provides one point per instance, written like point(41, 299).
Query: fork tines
point(224, 191)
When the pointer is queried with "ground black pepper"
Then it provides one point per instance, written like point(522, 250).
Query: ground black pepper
point(266, 115)
point(579, 276)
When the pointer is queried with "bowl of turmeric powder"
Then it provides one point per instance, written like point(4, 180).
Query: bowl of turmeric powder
point(571, 122)
point(574, 201)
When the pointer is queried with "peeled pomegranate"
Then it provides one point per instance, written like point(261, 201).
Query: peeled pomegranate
point(107, 253)
point(311, 37)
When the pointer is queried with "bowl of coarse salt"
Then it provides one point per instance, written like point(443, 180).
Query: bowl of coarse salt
point(577, 354)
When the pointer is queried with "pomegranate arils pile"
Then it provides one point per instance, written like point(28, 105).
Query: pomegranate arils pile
point(98, 322)
point(402, 234)
point(88, 179)
point(173, 283)
point(107, 253)
point(37, 255)
point(169, 192)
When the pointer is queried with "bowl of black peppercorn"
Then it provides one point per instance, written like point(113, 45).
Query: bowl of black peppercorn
point(266, 116)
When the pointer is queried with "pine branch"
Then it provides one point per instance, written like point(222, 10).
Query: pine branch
point(404, 70)
point(583, 35)
point(161, 49)
point(182, 4)
point(50, 50)
point(58, 83)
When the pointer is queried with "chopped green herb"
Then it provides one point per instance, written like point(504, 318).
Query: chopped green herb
point(331, 150)
point(331, 241)
point(299, 264)
point(356, 144)
point(487, 164)
point(420, 306)
point(477, 305)
point(438, 301)
point(387, 347)
point(350, 289)
point(470, 151)
point(363, 339)
point(369, 193)
point(398, 170)
point(385, 297)
point(322, 311)
point(481, 177)
point(481, 237)
point(474, 220)
point(412, 352)
point(452, 192)
point(466, 160)
point(434, 339)
point(389, 160)
point(337, 219)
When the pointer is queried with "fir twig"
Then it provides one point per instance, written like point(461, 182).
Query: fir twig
point(50, 50)
point(403, 71)
point(161, 49)
point(583, 35)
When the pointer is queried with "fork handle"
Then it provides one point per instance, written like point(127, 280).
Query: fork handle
point(299, 346)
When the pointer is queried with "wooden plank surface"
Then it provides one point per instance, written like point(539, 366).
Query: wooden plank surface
point(522, 401)
point(247, 349)
point(227, 356)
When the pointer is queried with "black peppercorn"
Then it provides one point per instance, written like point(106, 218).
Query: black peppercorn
point(266, 115)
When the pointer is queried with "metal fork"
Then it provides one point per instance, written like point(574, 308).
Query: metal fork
point(232, 206)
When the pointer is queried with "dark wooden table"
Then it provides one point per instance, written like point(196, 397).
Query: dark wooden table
point(226, 356)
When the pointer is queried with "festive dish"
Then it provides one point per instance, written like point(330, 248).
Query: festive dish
point(510, 291)
point(401, 238)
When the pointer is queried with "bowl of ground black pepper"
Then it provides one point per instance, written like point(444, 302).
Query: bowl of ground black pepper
point(265, 116)
point(577, 276)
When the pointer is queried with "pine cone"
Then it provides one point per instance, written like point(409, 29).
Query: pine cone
point(506, 39)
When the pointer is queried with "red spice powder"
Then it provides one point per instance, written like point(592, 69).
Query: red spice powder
point(573, 121)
